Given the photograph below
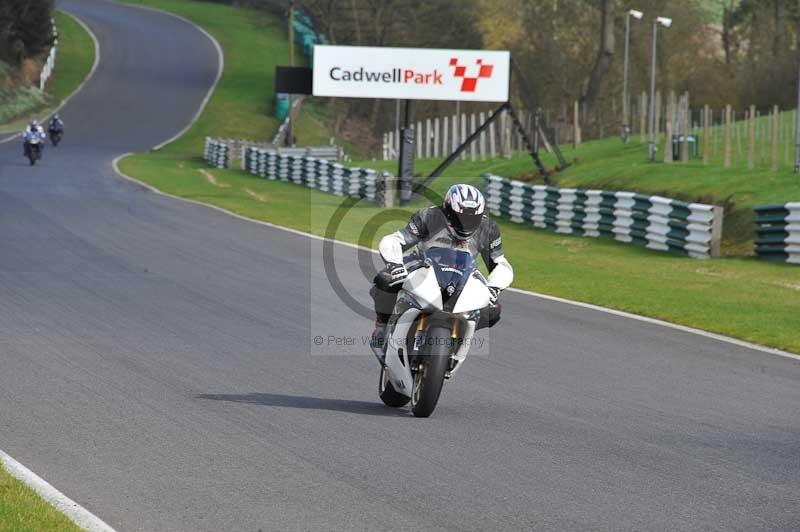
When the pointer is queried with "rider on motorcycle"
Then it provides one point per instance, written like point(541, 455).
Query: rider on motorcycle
point(56, 125)
point(34, 130)
point(458, 224)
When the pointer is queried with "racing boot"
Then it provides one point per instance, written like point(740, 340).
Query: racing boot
point(376, 341)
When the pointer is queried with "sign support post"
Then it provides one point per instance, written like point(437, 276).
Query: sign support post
point(405, 169)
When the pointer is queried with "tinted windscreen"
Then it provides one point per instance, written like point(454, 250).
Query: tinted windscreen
point(453, 267)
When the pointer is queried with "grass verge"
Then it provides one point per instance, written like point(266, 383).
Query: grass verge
point(73, 63)
point(741, 297)
point(22, 510)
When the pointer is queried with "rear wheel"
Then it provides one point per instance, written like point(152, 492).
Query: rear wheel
point(388, 394)
point(429, 378)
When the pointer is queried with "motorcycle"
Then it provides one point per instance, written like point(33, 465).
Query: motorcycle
point(55, 136)
point(34, 149)
point(431, 329)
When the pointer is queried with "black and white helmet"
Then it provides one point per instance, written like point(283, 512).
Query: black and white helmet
point(463, 206)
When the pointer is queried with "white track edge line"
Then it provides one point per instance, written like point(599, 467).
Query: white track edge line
point(220, 69)
point(74, 511)
point(620, 313)
point(85, 80)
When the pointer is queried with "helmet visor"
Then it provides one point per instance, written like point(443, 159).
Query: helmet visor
point(465, 224)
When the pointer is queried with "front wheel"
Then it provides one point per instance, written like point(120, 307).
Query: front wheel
point(429, 378)
point(388, 394)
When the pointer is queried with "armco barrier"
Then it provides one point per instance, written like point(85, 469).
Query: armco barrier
point(664, 224)
point(217, 153)
point(778, 232)
point(313, 172)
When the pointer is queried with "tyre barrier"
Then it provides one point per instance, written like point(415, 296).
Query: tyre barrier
point(216, 153)
point(313, 172)
point(778, 232)
point(663, 224)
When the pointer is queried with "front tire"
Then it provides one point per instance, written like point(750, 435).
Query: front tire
point(429, 378)
point(388, 394)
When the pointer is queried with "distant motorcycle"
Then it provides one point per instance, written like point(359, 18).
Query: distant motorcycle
point(55, 136)
point(34, 150)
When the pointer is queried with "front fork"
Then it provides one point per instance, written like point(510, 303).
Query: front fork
point(456, 327)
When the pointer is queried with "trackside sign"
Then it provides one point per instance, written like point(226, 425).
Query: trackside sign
point(411, 73)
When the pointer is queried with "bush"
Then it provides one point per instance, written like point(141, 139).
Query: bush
point(17, 102)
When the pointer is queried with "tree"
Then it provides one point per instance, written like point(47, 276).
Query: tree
point(605, 53)
point(25, 29)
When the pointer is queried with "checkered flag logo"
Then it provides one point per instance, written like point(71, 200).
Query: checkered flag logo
point(470, 83)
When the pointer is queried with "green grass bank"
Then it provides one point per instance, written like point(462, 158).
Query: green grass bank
point(740, 297)
point(22, 510)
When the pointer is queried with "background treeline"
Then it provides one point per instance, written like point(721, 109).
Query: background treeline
point(25, 29)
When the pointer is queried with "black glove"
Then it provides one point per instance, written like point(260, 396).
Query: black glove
point(397, 273)
point(494, 293)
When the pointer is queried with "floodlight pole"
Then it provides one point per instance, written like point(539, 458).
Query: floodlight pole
point(652, 144)
point(625, 111)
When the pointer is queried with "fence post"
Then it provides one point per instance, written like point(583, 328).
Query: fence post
point(492, 140)
point(774, 138)
point(482, 145)
point(716, 231)
point(713, 134)
point(472, 148)
point(445, 140)
point(463, 134)
point(751, 137)
point(427, 138)
point(727, 162)
point(657, 122)
point(454, 140)
point(436, 138)
point(706, 131)
point(418, 139)
point(642, 117)
point(685, 128)
point(668, 155)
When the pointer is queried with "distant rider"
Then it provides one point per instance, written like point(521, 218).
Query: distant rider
point(458, 224)
point(34, 130)
point(56, 125)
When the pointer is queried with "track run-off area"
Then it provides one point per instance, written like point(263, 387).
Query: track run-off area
point(159, 364)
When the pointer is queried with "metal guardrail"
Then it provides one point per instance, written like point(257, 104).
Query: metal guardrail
point(313, 172)
point(217, 153)
point(778, 232)
point(664, 224)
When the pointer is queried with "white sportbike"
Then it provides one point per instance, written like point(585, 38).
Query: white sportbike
point(432, 327)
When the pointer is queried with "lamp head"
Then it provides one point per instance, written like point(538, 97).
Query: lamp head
point(664, 21)
point(636, 14)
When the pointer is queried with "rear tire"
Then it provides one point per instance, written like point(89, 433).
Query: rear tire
point(388, 394)
point(430, 376)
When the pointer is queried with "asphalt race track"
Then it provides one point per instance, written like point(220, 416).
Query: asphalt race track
point(157, 364)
